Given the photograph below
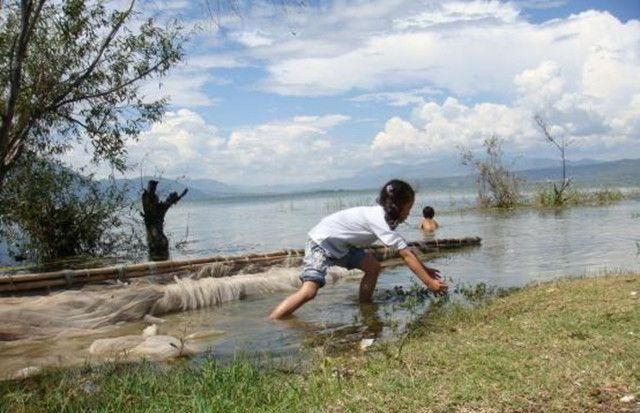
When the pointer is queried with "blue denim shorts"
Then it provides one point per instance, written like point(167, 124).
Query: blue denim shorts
point(317, 260)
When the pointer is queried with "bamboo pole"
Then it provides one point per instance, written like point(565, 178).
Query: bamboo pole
point(71, 280)
point(25, 282)
point(150, 267)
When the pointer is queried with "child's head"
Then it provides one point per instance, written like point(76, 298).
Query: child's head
point(428, 212)
point(396, 198)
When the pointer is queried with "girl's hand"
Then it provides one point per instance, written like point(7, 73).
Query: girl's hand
point(433, 273)
point(438, 287)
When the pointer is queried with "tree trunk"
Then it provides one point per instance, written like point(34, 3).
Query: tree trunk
point(153, 213)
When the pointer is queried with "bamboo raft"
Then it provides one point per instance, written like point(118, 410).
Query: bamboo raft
point(233, 264)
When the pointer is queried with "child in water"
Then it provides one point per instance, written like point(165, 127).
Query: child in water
point(339, 240)
point(427, 223)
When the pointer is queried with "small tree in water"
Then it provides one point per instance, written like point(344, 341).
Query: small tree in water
point(560, 192)
point(497, 186)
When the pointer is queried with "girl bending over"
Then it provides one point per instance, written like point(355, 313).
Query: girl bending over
point(339, 240)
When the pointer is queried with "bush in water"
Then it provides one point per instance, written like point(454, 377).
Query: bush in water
point(497, 186)
point(61, 213)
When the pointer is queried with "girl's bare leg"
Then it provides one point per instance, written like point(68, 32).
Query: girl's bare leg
point(371, 268)
point(307, 291)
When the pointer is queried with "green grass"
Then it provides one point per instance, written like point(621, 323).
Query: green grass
point(566, 346)
point(545, 197)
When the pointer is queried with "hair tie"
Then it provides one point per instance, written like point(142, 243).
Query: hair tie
point(389, 189)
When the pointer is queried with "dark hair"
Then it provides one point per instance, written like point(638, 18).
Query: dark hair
point(428, 212)
point(393, 196)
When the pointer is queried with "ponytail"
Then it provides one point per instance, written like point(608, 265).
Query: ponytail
point(393, 196)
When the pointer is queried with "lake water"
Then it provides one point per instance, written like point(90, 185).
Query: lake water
point(518, 247)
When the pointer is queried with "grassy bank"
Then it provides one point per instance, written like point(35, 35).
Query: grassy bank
point(568, 346)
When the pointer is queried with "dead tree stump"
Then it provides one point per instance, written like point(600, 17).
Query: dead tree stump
point(153, 213)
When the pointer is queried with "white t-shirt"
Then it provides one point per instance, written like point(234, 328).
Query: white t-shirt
point(355, 227)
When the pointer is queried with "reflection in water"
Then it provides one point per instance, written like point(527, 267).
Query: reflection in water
point(371, 320)
point(338, 337)
point(428, 236)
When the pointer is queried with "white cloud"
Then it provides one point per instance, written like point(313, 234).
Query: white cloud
point(467, 48)
point(410, 97)
point(580, 73)
point(214, 61)
point(539, 4)
point(181, 144)
point(181, 89)
point(287, 151)
point(591, 121)
point(294, 150)
point(458, 12)
point(252, 38)
point(541, 86)
point(186, 84)
point(445, 129)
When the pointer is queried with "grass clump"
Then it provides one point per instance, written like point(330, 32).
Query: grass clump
point(147, 387)
point(567, 346)
point(545, 197)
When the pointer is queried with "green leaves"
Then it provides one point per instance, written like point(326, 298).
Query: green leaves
point(49, 212)
point(79, 78)
point(70, 72)
point(497, 186)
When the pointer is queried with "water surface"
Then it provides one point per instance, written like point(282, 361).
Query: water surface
point(518, 247)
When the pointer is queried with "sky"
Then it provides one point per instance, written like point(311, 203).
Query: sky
point(277, 93)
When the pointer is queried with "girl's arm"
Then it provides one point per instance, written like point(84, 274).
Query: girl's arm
point(428, 276)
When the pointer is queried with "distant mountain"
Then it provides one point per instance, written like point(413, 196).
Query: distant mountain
point(212, 187)
point(134, 187)
point(434, 171)
point(621, 172)
point(426, 175)
point(521, 163)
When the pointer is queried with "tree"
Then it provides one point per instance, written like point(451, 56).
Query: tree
point(61, 213)
point(70, 71)
point(559, 191)
point(497, 186)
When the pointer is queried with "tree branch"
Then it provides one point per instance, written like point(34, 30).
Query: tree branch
point(541, 123)
point(105, 92)
point(87, 72)
point(76, 121)
point(18, 55)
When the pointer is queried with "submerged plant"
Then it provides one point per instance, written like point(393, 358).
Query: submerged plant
point(476, 293)
point(546, 197)
point(398, 294)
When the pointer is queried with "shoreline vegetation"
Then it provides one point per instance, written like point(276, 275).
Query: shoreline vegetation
point(542, 197)
point(498, 187)
point(536, 195)
point(571, 345)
